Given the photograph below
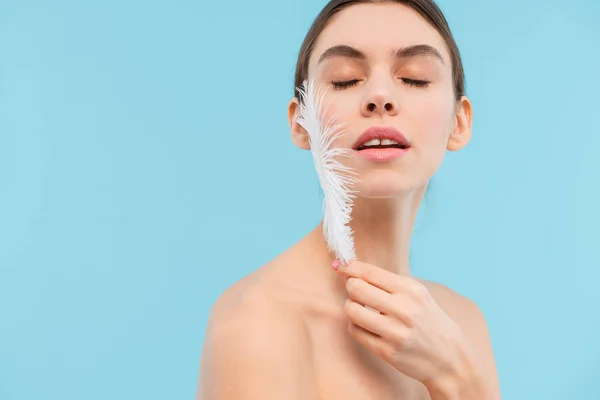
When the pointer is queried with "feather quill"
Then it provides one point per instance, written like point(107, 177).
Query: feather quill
point(334, 177)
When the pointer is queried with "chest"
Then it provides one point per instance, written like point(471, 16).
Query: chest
point(343, 369)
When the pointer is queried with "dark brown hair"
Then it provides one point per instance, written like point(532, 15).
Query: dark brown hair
point(426, 8)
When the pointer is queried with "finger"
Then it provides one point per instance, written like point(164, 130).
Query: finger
point(369, 295)
point(385, 280)
point(382, 278)
point(369, 320)
point(368, 339)
point(396, 306)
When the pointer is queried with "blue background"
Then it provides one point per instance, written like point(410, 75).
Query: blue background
point(146, 165)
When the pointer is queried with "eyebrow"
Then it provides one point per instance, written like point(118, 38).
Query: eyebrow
point(402, 53)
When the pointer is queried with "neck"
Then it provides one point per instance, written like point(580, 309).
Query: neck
point(382, 230)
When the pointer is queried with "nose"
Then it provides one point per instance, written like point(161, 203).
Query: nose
point(379, 101)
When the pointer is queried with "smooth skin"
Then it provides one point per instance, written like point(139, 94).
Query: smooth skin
point(297, 328)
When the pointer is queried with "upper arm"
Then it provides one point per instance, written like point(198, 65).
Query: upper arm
point(255, 350)
point(472, 322)
point(476, 329)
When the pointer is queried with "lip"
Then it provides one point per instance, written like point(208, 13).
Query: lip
point(381, 132)
point(381, 155)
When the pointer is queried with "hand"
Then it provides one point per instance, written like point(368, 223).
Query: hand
point(410, 331)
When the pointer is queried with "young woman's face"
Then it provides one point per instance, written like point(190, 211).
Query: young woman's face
point(369, 85)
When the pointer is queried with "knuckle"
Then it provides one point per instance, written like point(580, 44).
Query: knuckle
point(381, 351)
point(417, 290)
point(350, 308)
point(407, 314)
point(352, 285)
point(391, 354)
point(353, 330)
point(402, 341)
point(409, 320)
point(368, 274)
point(399, 340)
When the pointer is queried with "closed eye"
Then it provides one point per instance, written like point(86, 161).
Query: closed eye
point(415, 82)
point(338, 85)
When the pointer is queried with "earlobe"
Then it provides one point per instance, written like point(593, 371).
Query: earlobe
point(298, 133)
point(461, 130)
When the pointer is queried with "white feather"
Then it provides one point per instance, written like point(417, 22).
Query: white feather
point(334, 177)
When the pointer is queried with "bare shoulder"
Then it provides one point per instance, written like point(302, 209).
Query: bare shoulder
point(468, 315)
point(253, 306)
point(459, 307)
point(255, 347)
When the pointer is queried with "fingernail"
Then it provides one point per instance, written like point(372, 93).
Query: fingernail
point(336, 264)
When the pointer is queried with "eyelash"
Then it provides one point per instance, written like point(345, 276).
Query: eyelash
point(339, 85)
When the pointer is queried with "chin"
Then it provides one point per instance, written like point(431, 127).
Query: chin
point(386, 184)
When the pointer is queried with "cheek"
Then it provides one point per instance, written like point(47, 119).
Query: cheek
point(337, 110)
point(431, 124)
point(434, 118)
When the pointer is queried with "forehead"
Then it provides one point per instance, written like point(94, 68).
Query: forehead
point(378, 30)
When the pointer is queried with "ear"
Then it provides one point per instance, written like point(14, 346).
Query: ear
point(298, 133)
point(461, 129)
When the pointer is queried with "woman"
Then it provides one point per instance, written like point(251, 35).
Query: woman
point(298, 328)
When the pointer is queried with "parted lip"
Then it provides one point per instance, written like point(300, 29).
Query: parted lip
point(381, 132)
